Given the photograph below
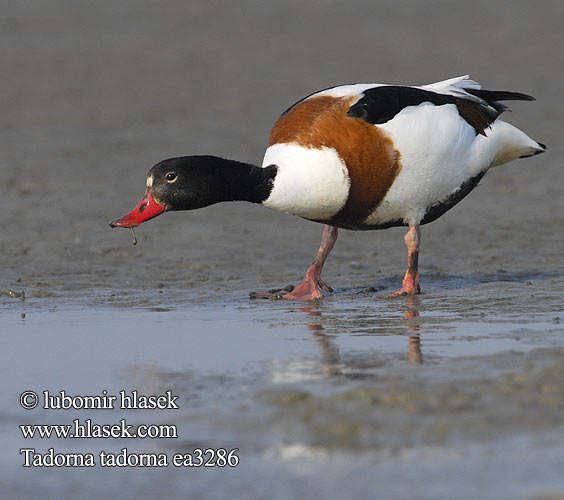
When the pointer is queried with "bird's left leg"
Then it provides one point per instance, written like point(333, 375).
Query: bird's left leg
point(411, 279)
point(312, 284)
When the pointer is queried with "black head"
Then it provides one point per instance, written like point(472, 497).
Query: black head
point(188, 182)
point(191, 182)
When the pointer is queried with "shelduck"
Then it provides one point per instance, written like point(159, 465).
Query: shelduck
point(360, 157)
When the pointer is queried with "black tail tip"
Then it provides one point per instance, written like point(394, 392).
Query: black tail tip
point(537, 152)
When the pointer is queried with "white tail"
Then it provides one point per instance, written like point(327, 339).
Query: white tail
point(510, 143)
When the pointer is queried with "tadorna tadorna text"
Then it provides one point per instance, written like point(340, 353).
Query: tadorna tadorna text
point(363, 156)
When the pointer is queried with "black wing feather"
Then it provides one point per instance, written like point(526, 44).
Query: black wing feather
point(493, 96)
point(499, 95)
point(380, 104)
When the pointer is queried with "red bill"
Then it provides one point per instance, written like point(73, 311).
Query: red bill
point(145, 210)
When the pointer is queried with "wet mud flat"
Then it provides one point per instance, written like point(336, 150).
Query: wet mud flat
point(338, 397)
point(455, 393)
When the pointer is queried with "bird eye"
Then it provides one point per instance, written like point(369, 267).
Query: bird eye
point(170, 177)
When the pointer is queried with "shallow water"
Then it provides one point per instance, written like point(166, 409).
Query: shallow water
point(332, 398)
point(456, 393)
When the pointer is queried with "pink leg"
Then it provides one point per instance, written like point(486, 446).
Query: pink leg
point(411, 279)
point(312, 284)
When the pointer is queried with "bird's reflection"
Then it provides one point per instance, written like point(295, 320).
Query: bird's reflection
point(414, 347)
point(331, 358)
point(329, 351)
point(414, 351)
